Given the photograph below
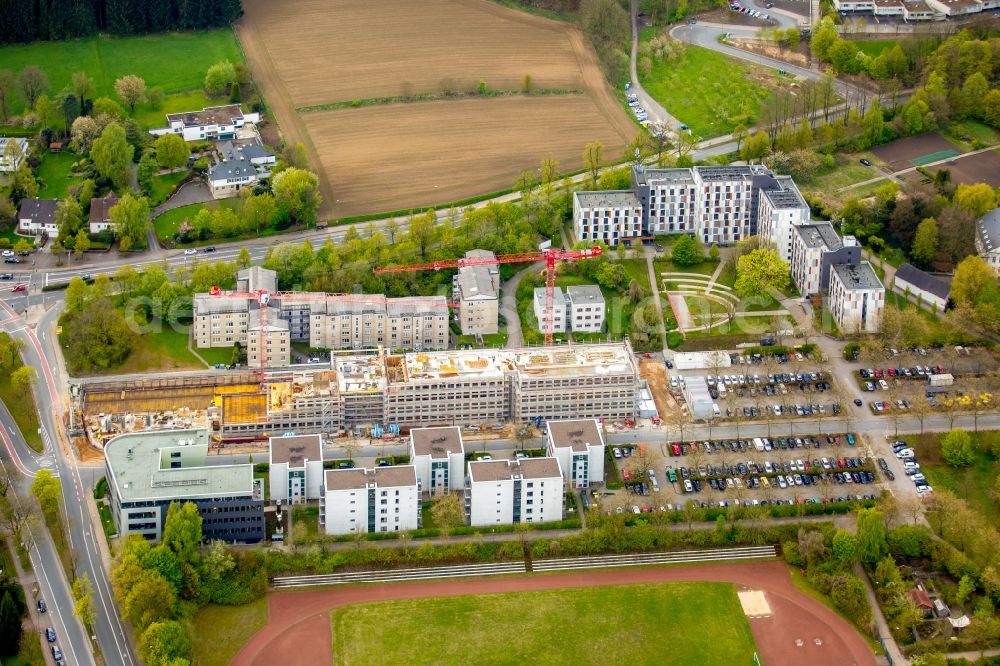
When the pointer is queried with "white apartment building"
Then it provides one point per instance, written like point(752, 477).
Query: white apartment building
point(607, 216)
point(295, 469)
point(477, 290)
point(909, 10)
point(815, 248)
point(988, 238)
point(214, 123)
point(383, 499)
point(578, 444)
point(669, 198)
point(585, 308)
point(558, 309)
point(781, 208)
point(11, 157)
point(37, 217)
point(726, 203)
point(438, 456)
point(857, 298)
point(506, 492)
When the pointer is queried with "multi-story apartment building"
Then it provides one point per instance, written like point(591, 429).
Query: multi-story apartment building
point(295, 468)
point(988, 238)
point(438, 456)
point(383, 499)
point(477, 290)
point(668, 197)
point(780, 209)
point(326, 321)
point(578, 444)
point(506, 492)
point(585, 308)
point(558, 309)
point(857, 298)
point(815, 248)
point(727, 203)
point(268, 343)
point(607, 216)
point(147, 471)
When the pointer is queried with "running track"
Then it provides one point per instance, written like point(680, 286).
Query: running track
point(299, 629)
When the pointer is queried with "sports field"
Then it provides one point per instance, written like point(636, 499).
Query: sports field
point(176, 62)
point(915, 150)
point(378, 157)
point(677, 623)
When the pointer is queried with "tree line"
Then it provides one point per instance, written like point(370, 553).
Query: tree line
point(30, 20)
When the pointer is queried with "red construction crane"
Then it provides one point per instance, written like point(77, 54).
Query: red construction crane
point(262, 297)
point(550, 257)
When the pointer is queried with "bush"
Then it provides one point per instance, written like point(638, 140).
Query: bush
point(674, 339)
point(101, 489)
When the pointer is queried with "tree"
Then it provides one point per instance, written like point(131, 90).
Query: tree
point(171, 151)
point(219, 77)
point(148, 599)
point(973, 94)
point(97, 338)
point(243, 260)
point(77, 295)
point(83, 133)
point(755, 146)
point(83, 87)
point(82, 241)
point(812, 546)
point(447, 513)
point(760, 271)
point(824, 37)
point(259, 210)
point(687, 251)
point(792, 37)
point(844, 547)
point(33, 83)
point(10, 622)
point(6, 92)
point(46, 489)
point(130, 217)
point(925, 243)
point(296, 156)
point(592, 156)
point(296, 192)
point(69, 217)
point(165, 644)
point(83, 600)
point(182, 531)
point(131, 89)
point(956, 448)
point(23, 378)
point(974, 282)
point(112, 155)
point(155, 97)
point(871, 536)
point(848, 593)
point(978, 199)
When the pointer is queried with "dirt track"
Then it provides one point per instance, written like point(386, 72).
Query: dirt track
point(299, 629)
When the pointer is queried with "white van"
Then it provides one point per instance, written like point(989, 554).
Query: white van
point(722, 388)
point(758, 443)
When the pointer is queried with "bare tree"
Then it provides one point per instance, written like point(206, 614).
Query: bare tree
point(33, 82)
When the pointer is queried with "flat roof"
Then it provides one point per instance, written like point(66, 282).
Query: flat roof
point(578, 360)
point(575, 433)
point(784, 194)
point(138, 472)
point(211, 115)
point(558, 298)
point(717, 173)
point(361, 478)
point(296, 450)
point(820, 235)
point(857, 276)
point(438, 443)
point(478, 281)
point(359, 374)
point(672, 176)
point(504, 470)
point(608, 199)
point(453, 364)
point(585, 294)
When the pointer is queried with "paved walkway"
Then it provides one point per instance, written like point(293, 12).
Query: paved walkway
point(654, 288)
point(655, 111)
point(191, 192)
point(883, 627)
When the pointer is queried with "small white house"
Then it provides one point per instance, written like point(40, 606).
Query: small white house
point(585, 308)
point(924, 287)
point(384, 499)
point(558, 309)
point(506, 492)
point(578, 444)
point(213, 123)
point(100, 212)
point(438, 456)
point(10, 162)
point(296, 468)
point(38, 216)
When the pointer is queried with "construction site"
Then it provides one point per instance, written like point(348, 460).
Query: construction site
point(366, 394)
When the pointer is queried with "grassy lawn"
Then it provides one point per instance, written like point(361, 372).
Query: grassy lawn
point(166, 225)
point(706, 90)
point(215, 355)
point(21, 405)
point(847, 170)
point(107, 522)
point(163, 186)
point(667, 266)
point(176, 62)
point(163, 349)
point(305, 520)
point(218, 632)
point(636, 269)
point(54, 172)
point(664, 617)
point(965, 133)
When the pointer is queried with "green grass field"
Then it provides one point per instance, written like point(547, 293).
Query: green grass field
point(164, 186)
point(647, 624)
point(54, 172)
point(706, 90)
point(21, 405)
point(176, 62)
point(218, 632)
point(166, 225)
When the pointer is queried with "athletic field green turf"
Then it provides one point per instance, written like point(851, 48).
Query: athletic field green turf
point(676, 623)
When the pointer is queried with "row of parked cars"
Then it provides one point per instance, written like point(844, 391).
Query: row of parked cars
point(913, 372)
point(754, 502)
point(776, 474)
point(756, 13)
point(912, 467)
point(763, 444)
point(640, 113)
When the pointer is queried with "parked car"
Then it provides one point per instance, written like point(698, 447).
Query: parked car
point(210, 248)
point(866, 162)
point(41, 606)
point(188, 252)
point(50, 634)
point(6, 276)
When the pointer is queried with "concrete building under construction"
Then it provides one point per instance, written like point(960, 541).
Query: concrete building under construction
point(357, 392)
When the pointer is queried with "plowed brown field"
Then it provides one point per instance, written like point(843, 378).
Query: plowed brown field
point(380, 158)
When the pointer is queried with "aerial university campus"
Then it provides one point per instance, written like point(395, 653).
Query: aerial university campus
point(328, 327)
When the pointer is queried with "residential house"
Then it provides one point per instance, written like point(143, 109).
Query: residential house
point(585, 308)
point(578, 444)
point(213, 123)
point(11, 158)
point(295, 468)
point(438, 455)
point(100, 212)
point(507, 492)
point(558, 309)
point(922, 286)
point(37, 217)
point(383, 499)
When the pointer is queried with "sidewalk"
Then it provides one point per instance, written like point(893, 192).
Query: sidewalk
point(883, 628)
point(32, 622)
